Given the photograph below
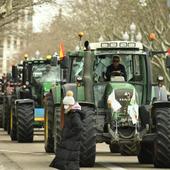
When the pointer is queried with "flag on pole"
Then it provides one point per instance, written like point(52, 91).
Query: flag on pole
point(61, 53)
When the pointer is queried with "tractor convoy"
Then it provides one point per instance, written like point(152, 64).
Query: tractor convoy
point(124, 112)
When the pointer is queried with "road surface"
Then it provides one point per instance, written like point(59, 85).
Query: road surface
point(25, 156)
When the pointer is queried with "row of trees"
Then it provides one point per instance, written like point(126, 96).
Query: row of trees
point(9, 9)
point(108, 19)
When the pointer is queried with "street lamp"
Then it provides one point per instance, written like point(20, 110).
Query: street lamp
point(143, 2)
point(80, 37)
point(101, 39)
point(138, 37)
point(37, 53)
point(126, 36)
point(77, 48)
point(132, 31)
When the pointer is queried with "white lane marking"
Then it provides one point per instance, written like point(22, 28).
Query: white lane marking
point(2, 167)
point(111, 166)
point(1, 150)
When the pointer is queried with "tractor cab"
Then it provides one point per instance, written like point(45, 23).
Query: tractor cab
point(133, 56)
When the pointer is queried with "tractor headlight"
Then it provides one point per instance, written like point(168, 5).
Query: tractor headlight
point(27, 83)
point(24, 86)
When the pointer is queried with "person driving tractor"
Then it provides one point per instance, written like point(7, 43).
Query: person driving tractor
point(116, 69)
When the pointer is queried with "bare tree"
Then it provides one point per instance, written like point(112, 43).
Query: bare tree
point(96, 18)
point(110, 19)
point(9, 9)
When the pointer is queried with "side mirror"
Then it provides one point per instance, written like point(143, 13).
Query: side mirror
point(168, 97)
point(154, 100)
point(168, 62)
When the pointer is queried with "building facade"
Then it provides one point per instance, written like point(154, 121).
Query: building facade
point(14, 41)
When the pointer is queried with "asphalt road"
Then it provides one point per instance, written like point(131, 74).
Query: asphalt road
point(18, 156)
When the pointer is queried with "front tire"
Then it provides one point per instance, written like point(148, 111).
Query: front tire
point(57, 126)
point(128, 149)
point(114, 148)
point(88, 138)
point(25, 123)
point(49, 123)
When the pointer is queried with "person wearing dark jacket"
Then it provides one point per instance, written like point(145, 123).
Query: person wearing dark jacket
point(116, 68)
point(68, 151)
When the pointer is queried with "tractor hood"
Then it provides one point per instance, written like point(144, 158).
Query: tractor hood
point(122, 98)
point(47, 86)
point(120, 90)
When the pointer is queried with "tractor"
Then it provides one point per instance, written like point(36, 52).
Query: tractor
point(52, 103)
point(119, 112)
point(27, 111)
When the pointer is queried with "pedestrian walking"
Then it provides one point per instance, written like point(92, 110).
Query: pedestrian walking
point(68, 151)
point(161, 92)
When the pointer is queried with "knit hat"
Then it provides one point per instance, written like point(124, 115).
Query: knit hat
point(68, 99)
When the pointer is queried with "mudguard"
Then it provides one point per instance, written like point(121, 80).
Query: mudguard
point(161, 104)
point(22, 101)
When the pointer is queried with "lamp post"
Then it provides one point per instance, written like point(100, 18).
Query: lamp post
point(133, 36)
point(126, 36)
point(37, 54)
point(101, 39)
point(139, 37)
point(80, 37)
point(132, 31)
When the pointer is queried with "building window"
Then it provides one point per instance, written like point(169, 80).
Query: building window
point(15, 43)
point(21, 44)
point(8, 43)
point(29, 17)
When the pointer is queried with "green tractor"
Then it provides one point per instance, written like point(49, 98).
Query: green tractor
point(27, 111)
point(52, 103)
point(118, 112)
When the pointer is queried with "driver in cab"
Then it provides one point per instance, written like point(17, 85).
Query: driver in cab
point(116, 69)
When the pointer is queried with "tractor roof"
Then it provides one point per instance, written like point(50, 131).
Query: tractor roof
point(112, 47)
point(117, 45)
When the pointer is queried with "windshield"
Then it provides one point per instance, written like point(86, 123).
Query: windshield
point(46, 73)
point(129, 64)
point(77, 68)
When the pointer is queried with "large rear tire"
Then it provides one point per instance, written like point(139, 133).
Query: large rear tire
point(162, 141)
point(88, 138)
point(13, 121)
point(57, 130)
point(8, 113)
point(49, 124)
point(25, 123)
